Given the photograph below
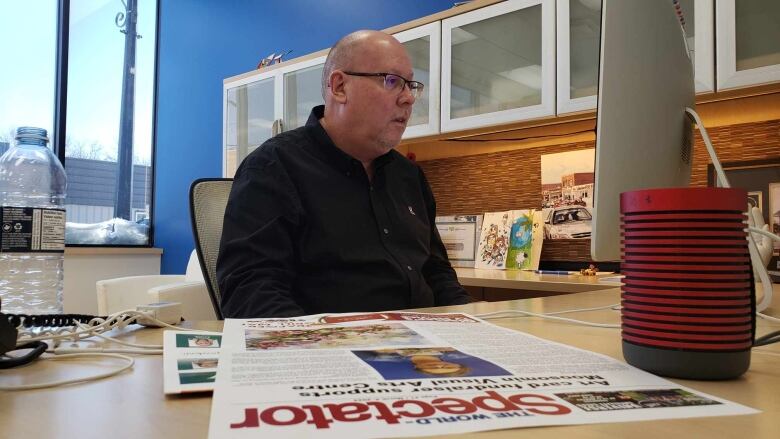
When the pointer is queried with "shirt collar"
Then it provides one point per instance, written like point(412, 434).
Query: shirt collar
point(328, 151)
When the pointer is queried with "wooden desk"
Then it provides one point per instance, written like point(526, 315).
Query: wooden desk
point(132, 405)
point(500, 285)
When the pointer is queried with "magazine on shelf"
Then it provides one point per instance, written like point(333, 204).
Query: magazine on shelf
point(402, 374)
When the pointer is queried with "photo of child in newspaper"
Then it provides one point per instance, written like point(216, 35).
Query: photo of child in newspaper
point(197, 341)
point(197, 377)
point(336, 337)
point(198, 363)
point(634, 399)
point(437, 362)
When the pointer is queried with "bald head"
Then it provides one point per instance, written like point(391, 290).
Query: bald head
point(348, 49)
point(362, 116)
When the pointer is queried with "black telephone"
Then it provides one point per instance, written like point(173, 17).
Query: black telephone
point(8, 335)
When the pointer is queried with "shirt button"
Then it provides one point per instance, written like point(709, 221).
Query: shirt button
point(386, 231)
point(409, 267)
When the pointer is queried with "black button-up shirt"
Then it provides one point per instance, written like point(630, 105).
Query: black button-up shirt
point(306, 232)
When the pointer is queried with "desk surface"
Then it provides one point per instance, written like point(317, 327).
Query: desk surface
point(133, 404)
point(528, 280)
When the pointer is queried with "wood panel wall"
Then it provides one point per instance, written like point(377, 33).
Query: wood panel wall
point(507, 180)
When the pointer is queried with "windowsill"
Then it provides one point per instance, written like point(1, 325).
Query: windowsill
point(88, 251)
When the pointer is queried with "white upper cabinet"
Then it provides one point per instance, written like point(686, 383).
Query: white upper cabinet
point(578, 40)
point(748, 46)
point(301, 91)
point(498, 65)
point(250, 111)
point(579, 34)
point(700, 36)
point(424, 47)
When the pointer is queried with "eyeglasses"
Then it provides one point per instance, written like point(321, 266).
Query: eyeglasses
point(393, 82)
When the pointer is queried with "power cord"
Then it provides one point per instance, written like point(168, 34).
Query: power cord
point(767, 339)
point(36, 339)
point(129, 363)
point(553, 315)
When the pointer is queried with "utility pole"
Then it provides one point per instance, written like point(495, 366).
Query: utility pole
point(127, 22)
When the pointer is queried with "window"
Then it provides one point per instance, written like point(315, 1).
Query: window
point(28, 74)
point(106, 139)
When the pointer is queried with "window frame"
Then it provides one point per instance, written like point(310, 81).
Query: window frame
point(61, 105)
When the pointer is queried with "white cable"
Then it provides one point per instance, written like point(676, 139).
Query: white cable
point(61, 351)
point(95, 326)
point(126, 343)
point(614, 306)
point(768, 317)
point(497, 315)
point(764, 232)
point(116, 371)
point(755, 256)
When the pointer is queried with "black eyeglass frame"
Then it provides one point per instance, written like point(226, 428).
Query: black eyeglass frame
point(415, 87)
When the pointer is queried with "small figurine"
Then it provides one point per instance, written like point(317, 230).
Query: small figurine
point(590, 271)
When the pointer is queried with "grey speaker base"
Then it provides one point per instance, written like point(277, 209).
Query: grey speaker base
point(686, 364)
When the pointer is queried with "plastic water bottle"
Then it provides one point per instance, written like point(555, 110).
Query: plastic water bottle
point(32, 226)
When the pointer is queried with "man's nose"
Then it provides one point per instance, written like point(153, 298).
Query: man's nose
point(406, 97)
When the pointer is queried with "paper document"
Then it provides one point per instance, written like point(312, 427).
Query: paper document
point(190, 361)
point(401, 374)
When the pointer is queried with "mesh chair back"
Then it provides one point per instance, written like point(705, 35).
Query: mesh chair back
point(208, 199)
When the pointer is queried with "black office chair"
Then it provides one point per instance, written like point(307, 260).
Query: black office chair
point(208, 199)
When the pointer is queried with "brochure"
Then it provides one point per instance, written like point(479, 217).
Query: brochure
point(402, 374)
point(190, 361)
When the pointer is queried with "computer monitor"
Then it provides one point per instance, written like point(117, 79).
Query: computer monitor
point(643, 136)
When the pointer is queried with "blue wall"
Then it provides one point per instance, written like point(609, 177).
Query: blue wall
point(204, 41)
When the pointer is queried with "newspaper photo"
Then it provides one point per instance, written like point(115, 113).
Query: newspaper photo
point(190, 361)
point(402, 374)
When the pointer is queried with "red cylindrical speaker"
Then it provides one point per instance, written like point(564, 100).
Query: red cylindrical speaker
point(688, 306)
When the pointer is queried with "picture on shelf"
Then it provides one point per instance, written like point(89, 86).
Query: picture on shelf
point(755, 199)
point(774, 213)
point(460, 236)
point(510, 239)
point(567, 194)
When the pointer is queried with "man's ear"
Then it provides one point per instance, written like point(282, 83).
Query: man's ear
point(338, 86)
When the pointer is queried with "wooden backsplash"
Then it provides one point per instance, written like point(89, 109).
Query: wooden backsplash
point(512, 179)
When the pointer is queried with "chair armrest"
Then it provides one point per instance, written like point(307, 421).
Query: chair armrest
point(193, 296)
point(119, 294)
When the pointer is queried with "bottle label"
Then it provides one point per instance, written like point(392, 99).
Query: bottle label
point(32, 229)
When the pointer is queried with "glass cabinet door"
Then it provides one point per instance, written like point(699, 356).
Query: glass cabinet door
point(249, 119)
point(302, 91)
point(424, 47)
point(498, 64)
point(748, 42)
point(579, 37)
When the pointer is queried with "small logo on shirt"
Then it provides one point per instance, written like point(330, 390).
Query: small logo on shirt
point(411, 211)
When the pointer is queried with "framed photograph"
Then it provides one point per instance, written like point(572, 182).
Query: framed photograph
point(774, 213)
point(754, 176)
point(755, 199)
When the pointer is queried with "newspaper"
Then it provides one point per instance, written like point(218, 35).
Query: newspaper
point(400, 374)
point(190, 361)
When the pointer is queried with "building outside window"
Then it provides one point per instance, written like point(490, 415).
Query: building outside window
point(106, 128)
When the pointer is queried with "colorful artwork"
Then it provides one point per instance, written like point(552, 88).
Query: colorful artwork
point(494, 240)
point(336, 337)
point(525, 240)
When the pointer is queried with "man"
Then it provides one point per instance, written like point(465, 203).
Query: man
point(329, 217)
